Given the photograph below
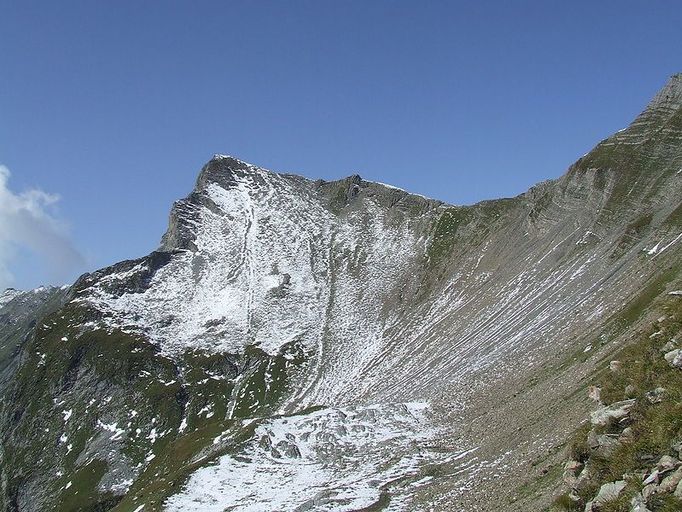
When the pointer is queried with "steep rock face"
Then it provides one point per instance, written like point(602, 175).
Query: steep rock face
point(276, 295)
point(19, 314)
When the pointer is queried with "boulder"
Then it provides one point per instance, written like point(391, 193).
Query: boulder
point(674, 358)
point(653, 478)
point(670, 482)
point(678, 491)
point(638, 504)
point(608, 492)
point(656, 396)
point(671, 355)
point(607, 444)
point(667, 463)
point(616, 411)
point(649, 490)
point(677, 362)
point(668, 347)
point(290, 450)
point(627, 435)
point(614, 366)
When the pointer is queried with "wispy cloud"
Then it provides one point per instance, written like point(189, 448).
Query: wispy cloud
point(28, 221)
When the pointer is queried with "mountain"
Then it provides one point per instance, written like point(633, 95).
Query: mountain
point(310, 345)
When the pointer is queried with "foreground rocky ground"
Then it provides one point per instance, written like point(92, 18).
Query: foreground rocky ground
point(627, 457)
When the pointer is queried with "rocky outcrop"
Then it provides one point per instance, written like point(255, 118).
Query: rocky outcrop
point(674, 357)
point(611, 413)
point(607, 492)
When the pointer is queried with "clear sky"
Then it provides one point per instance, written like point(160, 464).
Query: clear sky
point(115, 106)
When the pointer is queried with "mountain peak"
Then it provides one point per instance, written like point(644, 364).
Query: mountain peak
point(656, 117)
point(7, 295)
point(228, 158)
point(226, 171)
point(670, 96)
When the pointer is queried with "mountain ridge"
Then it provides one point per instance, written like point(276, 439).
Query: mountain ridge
point(273, 295)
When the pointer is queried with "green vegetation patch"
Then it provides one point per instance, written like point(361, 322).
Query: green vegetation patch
point(445, 233)
point(478, 219)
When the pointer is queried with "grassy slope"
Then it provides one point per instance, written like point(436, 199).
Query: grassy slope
point(656, 426)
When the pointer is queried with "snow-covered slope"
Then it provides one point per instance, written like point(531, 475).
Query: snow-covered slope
point(258, 260)
point(8, 295)
point(331, 459)
point(261, 265)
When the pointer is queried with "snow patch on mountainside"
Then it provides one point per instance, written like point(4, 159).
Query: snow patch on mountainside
point(8, 295)
point(331, 459)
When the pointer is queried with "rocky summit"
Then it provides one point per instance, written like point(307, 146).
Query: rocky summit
point(299, 345)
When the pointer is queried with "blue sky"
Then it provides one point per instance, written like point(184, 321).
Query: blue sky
point(115, 106)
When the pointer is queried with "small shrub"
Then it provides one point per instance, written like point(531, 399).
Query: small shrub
point(579, 449)
point(665, 503)
point(565, 503)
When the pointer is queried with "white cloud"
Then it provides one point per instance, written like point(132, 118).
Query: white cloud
point(28, 221)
